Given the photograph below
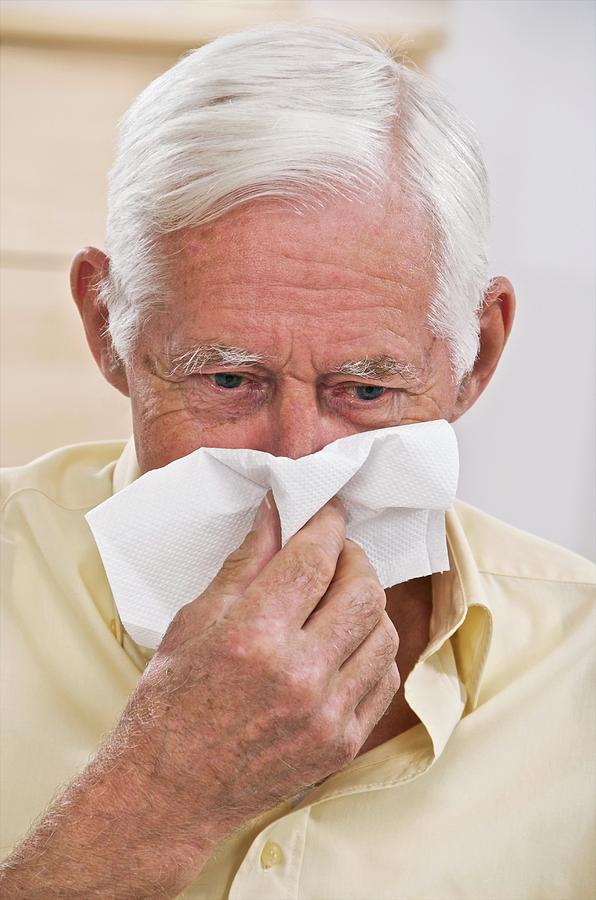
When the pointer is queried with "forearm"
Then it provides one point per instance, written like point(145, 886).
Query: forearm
point(106, 836)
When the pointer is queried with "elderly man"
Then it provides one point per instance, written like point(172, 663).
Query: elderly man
point(295, 254)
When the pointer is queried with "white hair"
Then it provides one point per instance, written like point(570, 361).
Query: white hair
point(287, 111)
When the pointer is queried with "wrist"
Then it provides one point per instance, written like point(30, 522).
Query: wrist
point(107, 834)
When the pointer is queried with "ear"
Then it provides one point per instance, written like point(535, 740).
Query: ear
point(496, 321)
point(88, 268)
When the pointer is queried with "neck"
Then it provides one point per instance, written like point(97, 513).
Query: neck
point(409, 606)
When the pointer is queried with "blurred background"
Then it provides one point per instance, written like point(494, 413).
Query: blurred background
point(522, 70)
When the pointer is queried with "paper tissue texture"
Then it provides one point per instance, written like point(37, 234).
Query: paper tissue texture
point(163, 538)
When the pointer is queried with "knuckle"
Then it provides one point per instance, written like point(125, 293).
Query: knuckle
point(395, 678)
point(325, 730)
point(372, 592)
point(394, 637)
point(303, 690)
point(386, 649)
point(366, 598)
point(350, 746)
point(359, 556)
point(255, 643)
point(344, 743)
point(391, 683)
point(179, 628)
point(310, 567)
point(182, 618)
point(391, 631)
point(239, 645)
point(352, 546)
point(386, 693)
point(354, 549)
point(330, 730)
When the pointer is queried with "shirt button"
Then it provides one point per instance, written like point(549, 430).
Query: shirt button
point(271, 855)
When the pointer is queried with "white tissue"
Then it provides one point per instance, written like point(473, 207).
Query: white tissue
point(164, 537)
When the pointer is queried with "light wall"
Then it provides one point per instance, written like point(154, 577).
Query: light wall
point(524, 73)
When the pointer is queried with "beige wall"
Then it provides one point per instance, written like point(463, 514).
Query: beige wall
point(59, 109)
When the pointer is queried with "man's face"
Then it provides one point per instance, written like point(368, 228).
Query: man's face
point(306, 295)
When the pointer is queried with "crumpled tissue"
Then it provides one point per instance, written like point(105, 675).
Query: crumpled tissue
point(163, 538)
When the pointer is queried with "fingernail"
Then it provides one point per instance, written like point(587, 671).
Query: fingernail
point(336, 502)
point(263, 511)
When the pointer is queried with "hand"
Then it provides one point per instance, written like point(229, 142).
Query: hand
point(264, 685)
point(270, 680)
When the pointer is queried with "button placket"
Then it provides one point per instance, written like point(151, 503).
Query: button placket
point(272, 866)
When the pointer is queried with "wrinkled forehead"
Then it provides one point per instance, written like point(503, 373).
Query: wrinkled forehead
point(388, 238)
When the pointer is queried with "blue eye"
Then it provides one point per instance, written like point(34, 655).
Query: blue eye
point(368, 391)
point(227, 380)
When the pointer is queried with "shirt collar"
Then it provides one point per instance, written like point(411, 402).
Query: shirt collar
point(126, 469)
point(469, 606)
point(445, 682)
point(443, 685)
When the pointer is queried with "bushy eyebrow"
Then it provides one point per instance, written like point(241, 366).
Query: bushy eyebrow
point(379, 367)
point(188, 362)
point(194, 360)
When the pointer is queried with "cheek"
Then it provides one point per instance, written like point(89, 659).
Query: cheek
point(425, 408)
point(165, 429)
point(161, 445)
point(438, 400)
point(446, 393)
point(442, 391)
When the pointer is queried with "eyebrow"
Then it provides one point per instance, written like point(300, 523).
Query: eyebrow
point(187, 362)
point(194, 360)
point(379, 367)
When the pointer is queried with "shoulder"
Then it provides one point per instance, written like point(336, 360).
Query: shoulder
point(502, 550)
point(74, 477)
point(541, 600)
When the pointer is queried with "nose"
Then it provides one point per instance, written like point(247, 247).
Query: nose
point(299, 426)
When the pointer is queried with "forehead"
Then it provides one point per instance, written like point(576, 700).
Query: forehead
point(387, 236)
point(337, 270)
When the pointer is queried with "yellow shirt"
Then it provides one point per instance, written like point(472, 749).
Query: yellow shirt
point(491, 796)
